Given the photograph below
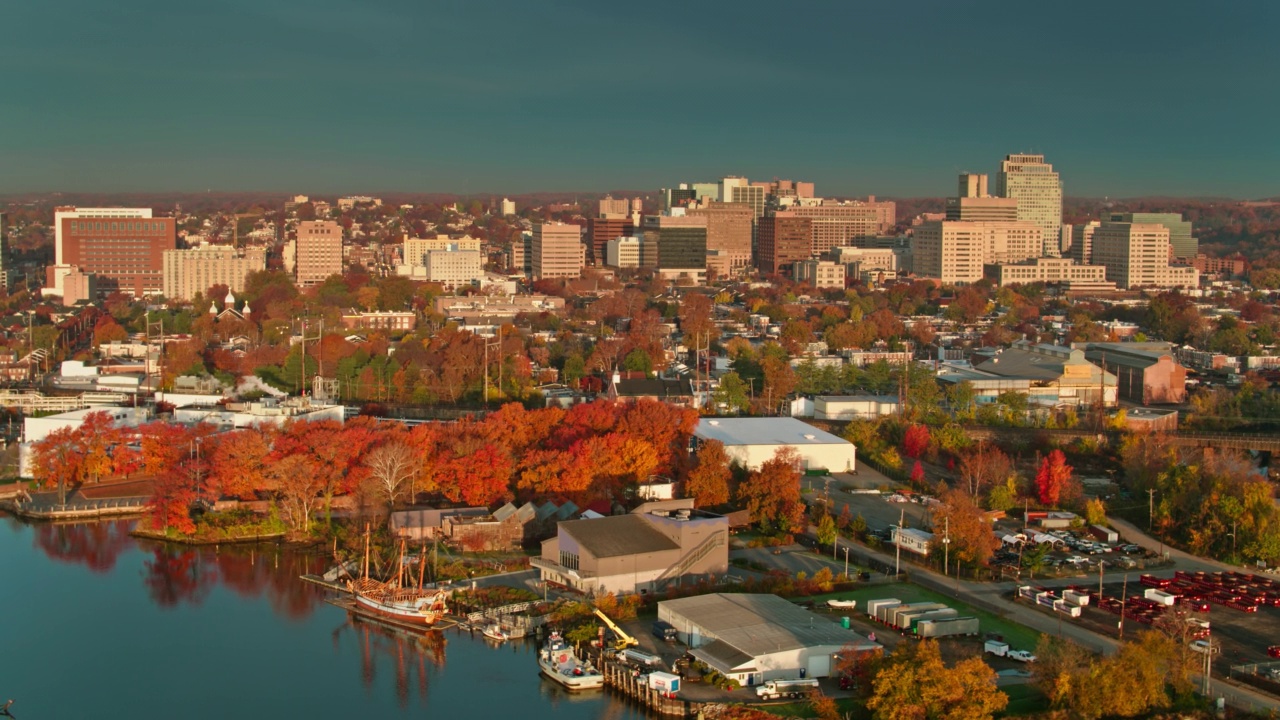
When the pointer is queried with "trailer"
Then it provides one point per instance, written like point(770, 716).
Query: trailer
point(896, 617)
point(995, 647)
point(1105, 534)
point(947, 627)
point(945, 613)
point(873, 606)
point(907, 620)
point(1066, 608)
point(1076, 597)
point(1160, 596)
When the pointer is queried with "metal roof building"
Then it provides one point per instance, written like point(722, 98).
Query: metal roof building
point(752, 441)
point(754, 637)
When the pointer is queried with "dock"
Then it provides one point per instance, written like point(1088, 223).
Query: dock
point(623, 679)
point(79, 509)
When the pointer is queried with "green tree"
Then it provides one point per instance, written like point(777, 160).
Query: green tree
point(732, 394)
point(827, 531)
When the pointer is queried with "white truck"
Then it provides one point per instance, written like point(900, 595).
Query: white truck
point(786, 688)
point(1021, 656)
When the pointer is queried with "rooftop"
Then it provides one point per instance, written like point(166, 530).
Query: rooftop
point(618, 535)
point(764, 431)
point(758, 624)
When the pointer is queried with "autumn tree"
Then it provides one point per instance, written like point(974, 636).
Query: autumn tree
point(1053, 474)
point(982, 467)
point(914, 684)
point(915, 441)
point(772, 493)
point(708, 482)
point(238, 463)
point(298, 486)
point(959, 516)
point(391, 467)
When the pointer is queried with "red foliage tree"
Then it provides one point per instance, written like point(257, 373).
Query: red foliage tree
point(917, 474)
point(772, 493)
point(1054, 473)
point(238, 463)
point(915, 442)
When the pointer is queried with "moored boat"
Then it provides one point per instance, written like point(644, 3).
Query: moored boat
point(561, 663)
point(848, 604)
point(496, 632)
point(415, 605)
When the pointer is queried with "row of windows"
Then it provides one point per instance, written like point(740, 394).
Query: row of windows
point(134, 225)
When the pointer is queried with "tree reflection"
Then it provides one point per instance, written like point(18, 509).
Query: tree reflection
point(96, 545)
point(175, 575)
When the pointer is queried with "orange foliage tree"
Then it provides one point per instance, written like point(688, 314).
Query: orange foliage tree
point(1053, 475)
point(708, 482)
point(772, 493)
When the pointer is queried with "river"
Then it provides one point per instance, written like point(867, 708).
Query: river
point(98, 624)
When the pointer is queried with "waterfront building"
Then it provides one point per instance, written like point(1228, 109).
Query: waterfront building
point(1038, 189)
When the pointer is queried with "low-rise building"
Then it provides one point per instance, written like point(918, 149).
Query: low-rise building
point(752, 441)
point(380, 320)
point(753, 638)
point(1146, 372)
point(820, 273)
point(1051, 271)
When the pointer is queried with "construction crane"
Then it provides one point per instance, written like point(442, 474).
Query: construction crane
point(624, 640)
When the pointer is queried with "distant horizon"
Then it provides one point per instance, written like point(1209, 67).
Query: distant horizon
point(1134, 99)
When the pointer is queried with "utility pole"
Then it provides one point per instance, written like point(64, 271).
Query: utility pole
point(897, 559)
point(1099, 581)
point(302, 392)
point(1124, 596)
point(946, 549)
point(846, 560)
point(1151, 506)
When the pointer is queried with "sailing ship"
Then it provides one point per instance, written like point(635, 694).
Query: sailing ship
point(561, 663)
point(414, 605)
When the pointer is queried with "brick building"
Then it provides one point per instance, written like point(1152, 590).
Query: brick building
point(123, 247)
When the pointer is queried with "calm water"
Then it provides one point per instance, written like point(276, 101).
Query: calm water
point(96, 624)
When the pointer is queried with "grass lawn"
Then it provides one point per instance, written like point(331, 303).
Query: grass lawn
point(1019, 636)
point(1024, 699)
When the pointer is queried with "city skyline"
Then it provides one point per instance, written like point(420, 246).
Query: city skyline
point(507, 98)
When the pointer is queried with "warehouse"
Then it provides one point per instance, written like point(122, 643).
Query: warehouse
point(752, 638)
point(751, 441)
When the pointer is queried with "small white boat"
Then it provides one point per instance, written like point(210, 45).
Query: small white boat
point(843, 604)
point(561, 663)
point(495, 632)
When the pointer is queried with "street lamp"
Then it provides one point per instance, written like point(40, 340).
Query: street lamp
point(846, 563)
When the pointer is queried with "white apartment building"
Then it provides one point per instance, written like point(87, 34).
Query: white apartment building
point(1038, 190)
point(1058, 271)
point(416, 249)
point(195, 270)
point(453, 267)
point(1137, 255)
point(622, 252)
point(956, 251)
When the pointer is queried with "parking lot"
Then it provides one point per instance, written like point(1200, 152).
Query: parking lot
point(1071, 553)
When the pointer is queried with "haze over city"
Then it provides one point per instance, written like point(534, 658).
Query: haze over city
point(1127, 99)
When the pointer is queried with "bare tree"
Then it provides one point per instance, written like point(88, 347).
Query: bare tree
point(391, 466)
point(983, 467)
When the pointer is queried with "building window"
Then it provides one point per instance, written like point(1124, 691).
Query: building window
point(568, 560)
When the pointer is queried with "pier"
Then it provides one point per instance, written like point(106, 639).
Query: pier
point(624, 679)
point(78, 509)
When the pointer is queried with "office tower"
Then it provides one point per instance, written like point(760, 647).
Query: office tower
point(1184, 244)
point(611, 208)
point(1137, 255)
point(556, 251)
point(600, 230)
point(955, 251)
point(783, 239)
point(318, 252)
point(195, 270)
point(508, 207)
point(728, 231)
point(738, 190)
point(680, 242)
point(676, 197)
point(707, 192)
point(1081, 248)
point(623, 252)
point(973, 185)
point(123, 247)
point(1038, 189)
point(836, 224)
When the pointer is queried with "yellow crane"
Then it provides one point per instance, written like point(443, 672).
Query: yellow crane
point(624, 640)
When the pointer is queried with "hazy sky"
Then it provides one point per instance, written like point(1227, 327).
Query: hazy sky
point(892, 98)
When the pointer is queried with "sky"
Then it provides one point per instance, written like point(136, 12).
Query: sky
point(1125, 98)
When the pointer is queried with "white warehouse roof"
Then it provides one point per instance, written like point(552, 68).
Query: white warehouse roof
point(764, 431)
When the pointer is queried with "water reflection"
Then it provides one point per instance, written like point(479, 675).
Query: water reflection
point(95, 545)
point(415, 655)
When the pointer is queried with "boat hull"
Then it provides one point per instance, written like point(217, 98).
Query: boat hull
point(586, 681)
point(400, 612)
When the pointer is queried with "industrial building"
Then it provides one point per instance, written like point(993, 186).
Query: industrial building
point(752, 441)
point(752, 638)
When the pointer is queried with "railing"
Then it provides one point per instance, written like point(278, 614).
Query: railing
point(693, 556)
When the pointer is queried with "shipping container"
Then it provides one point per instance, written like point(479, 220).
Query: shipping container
point(873, 606)
point(947, 627)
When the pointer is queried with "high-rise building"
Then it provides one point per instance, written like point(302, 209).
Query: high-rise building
point(728, 230)
point(677, 196)
point(416, 249)
point(956, 251)
point(317, 252)
point(556, 251)
point(783, 239)
point(1137, 255)
point(454, 266)
point(1038, 189)
point(1183, 243)
point(835, 224)
point(123, 247)
point(681, 242)
point(195, 270)
point(623, 252)
point(738, 190)
point(973, 185)
point(600, 230)
point(508, 207)
point(611, 208)
point(1081, 247)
